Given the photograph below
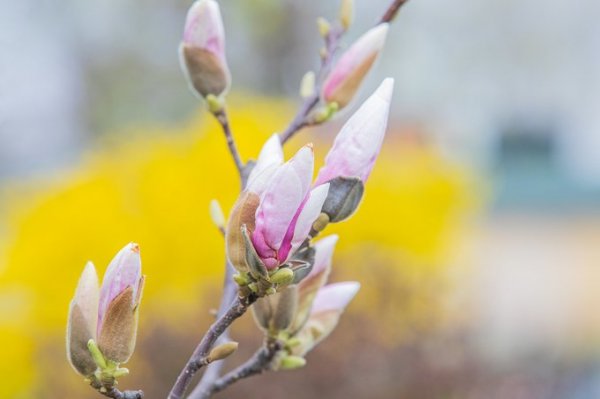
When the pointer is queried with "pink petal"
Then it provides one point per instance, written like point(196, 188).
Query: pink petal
point(125, 270)
point(279, 204)
point(324, 253)
point(204, 28)
point(335, 297)
point(357, 145)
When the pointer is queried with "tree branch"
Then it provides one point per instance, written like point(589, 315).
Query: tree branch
point(223, 120)
point(260, 362)
point(116, 394)
point(392, 11)
point(301, 119)
point(195, 363)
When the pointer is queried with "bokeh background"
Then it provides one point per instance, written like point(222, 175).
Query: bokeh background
point(477, 245)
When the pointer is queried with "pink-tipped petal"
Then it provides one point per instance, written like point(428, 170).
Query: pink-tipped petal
point(357, 145)
point(279, 205)
point(125, 270)
point(269, 159)
point(335, 297)
point(204, 28)
point(323, 254)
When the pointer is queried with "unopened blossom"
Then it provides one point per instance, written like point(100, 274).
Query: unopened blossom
point(107, 314)
point(202, 51)
point(315, 280)
point(328, 305)
point(349, 72)
point(277, 211)
point(82, 321)
point(358, 143)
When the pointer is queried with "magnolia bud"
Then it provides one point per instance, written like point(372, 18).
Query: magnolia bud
point(222, 351)
point(343, 198)
point(119, 304)
point(202, 51)
point(346, 77)
point(287, 303)
point(347, 13)
point(275, 313)
point(324, 26)
point(81, 327)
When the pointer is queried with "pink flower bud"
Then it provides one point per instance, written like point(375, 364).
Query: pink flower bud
point(358, 143)
point(328, 306)
point(314, 281)
point(202, 50)
point(346, 77)
point(124, 271)
point(287, 209)
point(81, 327)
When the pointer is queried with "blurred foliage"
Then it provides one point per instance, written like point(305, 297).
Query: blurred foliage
point(153, 185)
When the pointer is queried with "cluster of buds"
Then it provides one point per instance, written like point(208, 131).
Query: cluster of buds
point(303, 315)
point(270, 228)
point(102, 324)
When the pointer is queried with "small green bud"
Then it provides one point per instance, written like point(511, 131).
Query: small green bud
point(222, 351)
point(324, 26)
point(347, 13)
point(292, 363)
point(270, 291)
point(120, 372)
point(293, 342)
point(216, 214)
point(282, 276)
point(215, 104)
point(325, 113)
point(96, 354)
point(241, 279)
point(307, 86)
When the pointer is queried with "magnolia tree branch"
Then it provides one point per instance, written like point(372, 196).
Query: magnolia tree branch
point(116, 394)
point(260, 362)
point(392, 11)
point(213, 371)
point(199, 358)
point(223, 120)
point(302, 120)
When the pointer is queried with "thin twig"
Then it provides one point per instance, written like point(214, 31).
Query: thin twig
point(301, 119)
point(392, 11)
point(116, 394)
point(223, 120)
point(213, 371)
point(237, 309)
point(260, 362)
